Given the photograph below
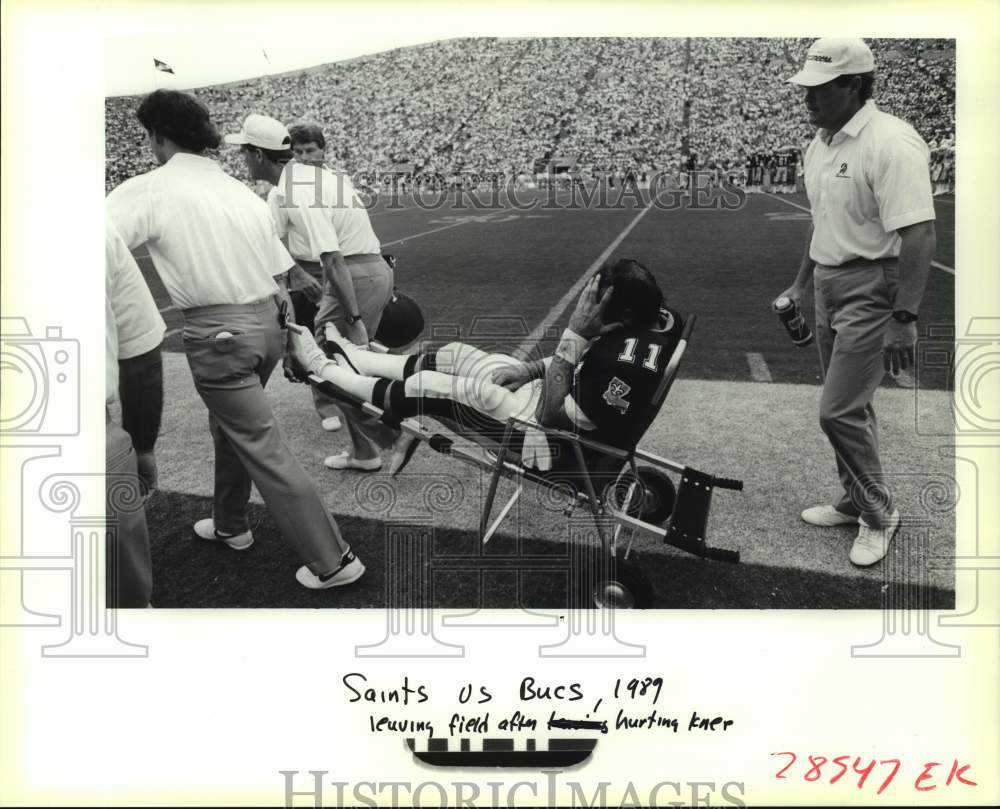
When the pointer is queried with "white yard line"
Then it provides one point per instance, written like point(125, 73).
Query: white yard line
point(391, 210)
point(759, 372)
point(532, 339)
point(788, 202)
point(939, 265)
point(426, 233)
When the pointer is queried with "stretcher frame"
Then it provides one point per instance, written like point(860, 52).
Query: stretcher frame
point(686, 526)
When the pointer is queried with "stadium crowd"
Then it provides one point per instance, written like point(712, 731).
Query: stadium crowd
point(629, 118)
point(452, 113)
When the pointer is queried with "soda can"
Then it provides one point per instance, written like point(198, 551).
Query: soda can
point(793, 321)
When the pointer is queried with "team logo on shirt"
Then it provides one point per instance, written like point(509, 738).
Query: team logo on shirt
point(616, 393)
point(843, 171)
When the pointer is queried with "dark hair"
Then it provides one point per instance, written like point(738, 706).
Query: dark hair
point(180, 118)
point(275, 156)
point(307, 133)
point(635, 292)
point(867, 84)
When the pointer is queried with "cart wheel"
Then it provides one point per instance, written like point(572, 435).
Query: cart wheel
point(660, 494)
point(617, 585)
point(656, 501)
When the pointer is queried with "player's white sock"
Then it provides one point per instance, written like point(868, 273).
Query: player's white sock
point(347, 380)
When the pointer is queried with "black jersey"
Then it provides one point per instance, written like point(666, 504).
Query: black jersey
point(616, 380)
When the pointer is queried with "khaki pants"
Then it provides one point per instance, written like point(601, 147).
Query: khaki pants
point(230, 374)
point(853, 307)
point(128, 566)
point(373, 281)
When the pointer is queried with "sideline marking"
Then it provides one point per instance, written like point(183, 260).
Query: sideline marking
point(385, 211)
point(426, 233)
point(759, 372)
point(938, 264)
point(524, 350)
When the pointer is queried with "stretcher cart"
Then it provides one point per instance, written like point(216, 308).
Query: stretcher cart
point(628, 493)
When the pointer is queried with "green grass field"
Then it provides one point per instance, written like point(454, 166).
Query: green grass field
point(745, 406)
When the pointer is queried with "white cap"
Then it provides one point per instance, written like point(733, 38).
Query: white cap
point(828, 58)
point(262, 132)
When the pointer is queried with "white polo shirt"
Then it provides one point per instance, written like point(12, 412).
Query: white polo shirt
point(320, 212)
point(210, 237)
point(872, 178)
point(133, 325)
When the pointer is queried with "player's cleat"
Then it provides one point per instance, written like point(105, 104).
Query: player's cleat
point(336, 352)
point(205, 529)
point(350, 570)
point(307, 357)
point(827, 516)
point(344, 461)
point(402, 451)
point(339, 349)
point(333, 335)
point(332, 423)
point(872, 544)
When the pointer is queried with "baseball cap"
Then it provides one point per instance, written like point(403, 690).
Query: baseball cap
point(828, 58)
point(262, 132)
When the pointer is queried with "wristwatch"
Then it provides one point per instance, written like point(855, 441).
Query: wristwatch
point(352, 319)
point(902, 316)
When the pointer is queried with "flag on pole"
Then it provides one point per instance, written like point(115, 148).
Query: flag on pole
point(162, 66)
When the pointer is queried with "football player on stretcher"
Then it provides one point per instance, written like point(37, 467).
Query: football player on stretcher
point(599, 383)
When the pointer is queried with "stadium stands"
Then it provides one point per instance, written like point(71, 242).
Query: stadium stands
point(459, 111)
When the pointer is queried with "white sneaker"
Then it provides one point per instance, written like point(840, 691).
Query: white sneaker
point(343, 460)
point(350, 570)
point(827, 516)
point(205, 529)
point(872, 544)
point(332, 423)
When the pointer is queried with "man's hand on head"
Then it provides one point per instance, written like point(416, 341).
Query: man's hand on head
point(587, 319)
